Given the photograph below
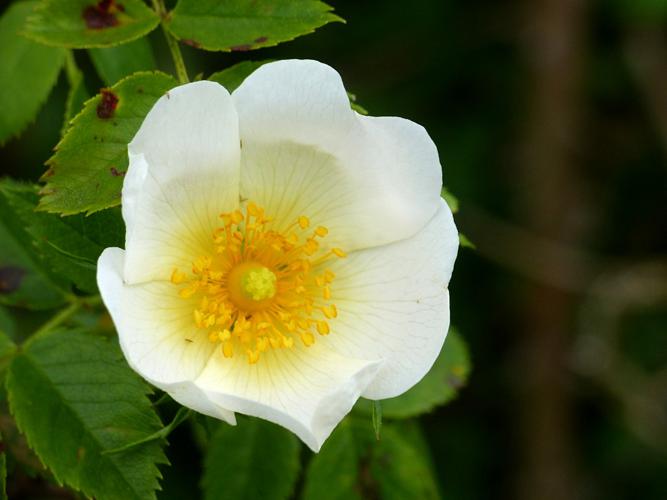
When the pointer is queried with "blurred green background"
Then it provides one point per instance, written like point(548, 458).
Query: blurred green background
point(551, 121)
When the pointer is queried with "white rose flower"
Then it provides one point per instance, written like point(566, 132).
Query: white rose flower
point(284, 255)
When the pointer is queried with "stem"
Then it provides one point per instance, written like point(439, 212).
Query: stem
point(63, 315)
point(179, 64)
point(60, 317)
point(181, 416)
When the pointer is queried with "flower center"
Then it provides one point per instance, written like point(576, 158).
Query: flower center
point(261, 288)
point(251, 285)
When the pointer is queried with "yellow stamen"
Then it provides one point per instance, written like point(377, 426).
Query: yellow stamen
point(260, 289)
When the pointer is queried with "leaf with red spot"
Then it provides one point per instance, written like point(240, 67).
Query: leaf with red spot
point(82, 24)
point(85, 173)
point(239, 25)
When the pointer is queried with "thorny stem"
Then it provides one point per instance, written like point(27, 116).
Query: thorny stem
point(175, 50)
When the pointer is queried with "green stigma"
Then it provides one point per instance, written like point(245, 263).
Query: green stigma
point(258, 284)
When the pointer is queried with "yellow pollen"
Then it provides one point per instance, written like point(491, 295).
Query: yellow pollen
point(261, 289)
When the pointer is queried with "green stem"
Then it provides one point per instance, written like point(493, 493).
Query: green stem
point(64, 314)
point(174, 48)
point(181, 416)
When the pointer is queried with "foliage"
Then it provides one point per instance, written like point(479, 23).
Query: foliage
point(352, 464)
point(28, 72)
point(86, 172)
point(257, 459)
point(70, 245)
point(25, 278)
point(237, 25)
point(81, 386)
point(114, 63)
point(79, 408)
point(83, 24)
point(438, 387)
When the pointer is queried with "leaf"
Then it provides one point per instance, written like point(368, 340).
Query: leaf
point(25, 280)
point(376, 418)
point(71, 245)
point(401, 464)
point(334, 473)
point(3, 476)
point(239, 25)
point(256, 460)
point(115, 63)
point(77, 93)
point(451, 200)
point(440, 385)
point(83, 24)
point(28, 72)
point(7, 350)
point(465, 242)
point(73, 396)
point(86, 172)
point(356, 106)
point(353, 465)
point(232, 77)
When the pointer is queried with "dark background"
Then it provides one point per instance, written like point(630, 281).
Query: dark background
point(551, 121)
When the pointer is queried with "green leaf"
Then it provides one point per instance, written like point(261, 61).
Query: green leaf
point(440, 385)
point(25, 280)
point(28, 72)
point(70, 245)
point(376, 418)
point(356, 106)
point(232, 77)
point(239, 25)
point(115, 63)
point(73, 396)
point(465, 242)
point(353, 465)
point(451, 200)
point(3, 476)
point(335, 473)
point(77, 93)
point(401, 464)
point(83, 24)
point(256, 460)
point(86, 172)
point(7, 350)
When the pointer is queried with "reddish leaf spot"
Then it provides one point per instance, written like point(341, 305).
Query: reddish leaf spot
point(49, 173)
point(261, 39)
point(191, 43)
point(241, 48)
point(102, 15)
point(10, 278)
point(108, 104)
point(116, 173)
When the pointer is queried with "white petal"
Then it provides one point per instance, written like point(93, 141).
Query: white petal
point(157, 334)
point(393, 304)
point(184, 171)
point(370, 180)
point(306, 390)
